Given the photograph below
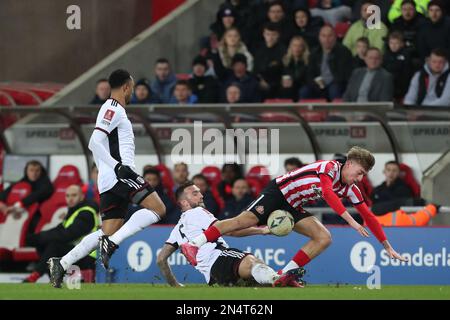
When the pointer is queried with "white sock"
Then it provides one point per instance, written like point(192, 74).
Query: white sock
point(138, 221)
point(291, 265)
point(81, 250)
point(199, 240)
point(264, 274)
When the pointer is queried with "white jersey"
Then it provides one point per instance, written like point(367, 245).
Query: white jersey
point(113, 121)
point(192, 223)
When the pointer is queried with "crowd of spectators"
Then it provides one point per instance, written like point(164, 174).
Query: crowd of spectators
point(296, 50)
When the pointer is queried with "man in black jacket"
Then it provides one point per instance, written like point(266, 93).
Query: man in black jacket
point(329, 69)
point(41, 189)
point(81, 219)
point(206, 88)
point(435, 32)
point(409, 24)
point(392, 193)
point(268, 64)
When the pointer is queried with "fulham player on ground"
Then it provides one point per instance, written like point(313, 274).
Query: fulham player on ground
point(216, 261)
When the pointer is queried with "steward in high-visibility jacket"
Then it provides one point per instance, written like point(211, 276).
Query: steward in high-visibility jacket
point(81, 219)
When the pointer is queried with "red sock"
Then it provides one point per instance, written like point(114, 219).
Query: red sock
point(301, 258)
point(212, 234)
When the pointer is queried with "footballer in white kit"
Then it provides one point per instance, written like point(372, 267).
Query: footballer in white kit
point(216, 260)
point(112, 146)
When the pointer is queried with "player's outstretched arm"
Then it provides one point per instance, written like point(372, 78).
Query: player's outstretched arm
point(163, 265)
point(99, 151)
point(263, 230)
point(335, 203)
point(377, 230)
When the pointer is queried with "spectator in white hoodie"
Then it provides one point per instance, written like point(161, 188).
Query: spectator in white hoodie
point(430, 86)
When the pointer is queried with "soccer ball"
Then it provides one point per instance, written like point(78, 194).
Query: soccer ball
point(280, 223)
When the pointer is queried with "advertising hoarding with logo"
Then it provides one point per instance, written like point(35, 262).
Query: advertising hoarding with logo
point(350, 258)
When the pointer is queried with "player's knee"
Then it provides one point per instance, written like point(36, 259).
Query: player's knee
point(325, 239)
point(161, 210)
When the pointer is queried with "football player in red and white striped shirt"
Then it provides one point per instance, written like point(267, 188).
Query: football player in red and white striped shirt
point(328, 180)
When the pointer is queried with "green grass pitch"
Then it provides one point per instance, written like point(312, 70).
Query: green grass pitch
point(203, 292)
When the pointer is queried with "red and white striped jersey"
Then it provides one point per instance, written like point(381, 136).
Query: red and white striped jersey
point(302, 186)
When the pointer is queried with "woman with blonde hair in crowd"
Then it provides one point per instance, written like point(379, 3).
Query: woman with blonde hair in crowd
point(296, 60)
point(231, 44)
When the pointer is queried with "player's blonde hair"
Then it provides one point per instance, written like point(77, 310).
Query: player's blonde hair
point(361, 156)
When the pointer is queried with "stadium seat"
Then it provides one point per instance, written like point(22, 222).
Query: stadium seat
point(260, 173)
point(13, 231)
point(407, 175)
point(6, 99)
point(312, 101)
point(67, 176)
point(278, 101)
point(212, 174)
point(22, 97)
point(52, 211)
point(255, 186)
point(166, 179)
point(277, 117)
point(341, 29)
point(366, 189)
point(183, 76)
point(312, 3)
point(313, 116)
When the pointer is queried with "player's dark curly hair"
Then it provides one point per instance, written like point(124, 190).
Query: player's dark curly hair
point(118, 78)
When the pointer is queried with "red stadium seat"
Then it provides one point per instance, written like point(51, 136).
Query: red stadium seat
point(183, 76)
point(313, 116)
point(341, 29)
point(260, 173)
point(43, 94)
point(366, 189)
point(6, 120)
point(407, 175)
point(278, 101)
point(312, 3)
point(6, 99)
point(213, 175)
point(277, 117)
point(13, 231)
point(67, 176)
point(166, 179)
point(255, 186)
point(52, 210)
point(22, 96)
point(313, 101)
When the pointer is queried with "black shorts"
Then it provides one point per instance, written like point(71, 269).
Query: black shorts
point(114, 202)
point(272, 199)
point(225, 271)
